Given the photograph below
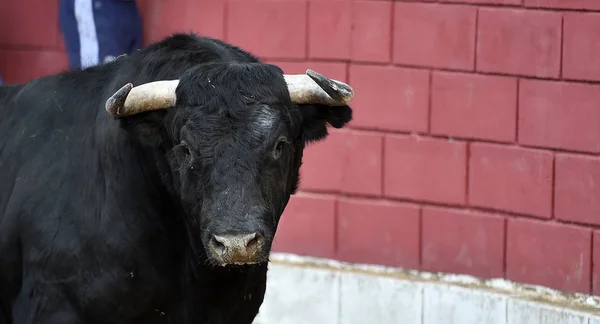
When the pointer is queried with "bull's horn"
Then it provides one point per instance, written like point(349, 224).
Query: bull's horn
point(130, 100)
point(314, 88)
point(309, 88)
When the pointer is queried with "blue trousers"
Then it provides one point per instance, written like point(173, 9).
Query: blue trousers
point(97, 31)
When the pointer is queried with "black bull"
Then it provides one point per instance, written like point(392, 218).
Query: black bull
point(160, 216)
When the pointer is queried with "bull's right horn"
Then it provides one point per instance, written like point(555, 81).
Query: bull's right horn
point(130, 100)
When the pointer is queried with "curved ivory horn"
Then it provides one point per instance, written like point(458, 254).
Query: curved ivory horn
point(315, 88)
point(130, 100)
point(309, 88)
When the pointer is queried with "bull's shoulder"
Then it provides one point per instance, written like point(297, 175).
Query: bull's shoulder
point(8, 92)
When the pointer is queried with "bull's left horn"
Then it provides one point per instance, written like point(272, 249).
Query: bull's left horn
point(314, 88)
point(130, 100)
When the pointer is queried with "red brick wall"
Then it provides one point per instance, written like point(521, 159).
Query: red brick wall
point(475, 143)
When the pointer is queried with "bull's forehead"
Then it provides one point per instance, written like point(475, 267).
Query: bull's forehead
point(232, 124)
point(264, 119)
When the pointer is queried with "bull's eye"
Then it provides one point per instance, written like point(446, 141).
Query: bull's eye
point(281, 143)
point(185, 149)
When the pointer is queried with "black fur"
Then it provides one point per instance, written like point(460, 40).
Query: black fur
point(105, 220)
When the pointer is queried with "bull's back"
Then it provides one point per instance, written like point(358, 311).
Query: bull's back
point(30, 114)
point(9, 257)
point(38, 132)
point(8, 95)
point(8, 110)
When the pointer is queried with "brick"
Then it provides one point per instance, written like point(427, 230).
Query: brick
point(474, 106)
point(494, 2)
point(371, 31)
point(347, 161)
point(516, 41)
point(307, 226)
point(334, 70)
point(459, 241)
point(559, 115)
point(162, 18)
point(577, 189)
point(564, 4)
point(425, 169)
point(511, 179)
point(549, 254)
point(276, 30)
point(19, 66)
point(29, 23)
point(596, 263)
point(398, 101)
point(329, 29)
point(434, 35)
point(376, 232)
point(581, 46)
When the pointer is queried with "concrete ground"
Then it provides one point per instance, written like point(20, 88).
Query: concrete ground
point(306, 290)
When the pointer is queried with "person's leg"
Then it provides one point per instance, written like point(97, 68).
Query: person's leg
point(137, 31)
point(79, 32)
point(97, 31)
point(119, 28)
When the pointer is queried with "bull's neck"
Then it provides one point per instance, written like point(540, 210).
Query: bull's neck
point(132, 171)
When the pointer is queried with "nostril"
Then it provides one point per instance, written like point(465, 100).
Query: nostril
point(253, 240)
point(217, 243)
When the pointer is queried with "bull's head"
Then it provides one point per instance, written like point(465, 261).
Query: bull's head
point(234, 146)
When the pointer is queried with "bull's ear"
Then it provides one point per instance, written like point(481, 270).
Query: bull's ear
point(316, 117)
point(147, 128)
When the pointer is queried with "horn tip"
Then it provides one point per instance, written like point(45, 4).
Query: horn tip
point(342, 92)
point(315, 75)
point(117, 100)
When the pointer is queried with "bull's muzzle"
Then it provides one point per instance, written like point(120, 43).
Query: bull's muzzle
point(237, 248)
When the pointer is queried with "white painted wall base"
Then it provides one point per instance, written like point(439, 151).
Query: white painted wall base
point(304, 290)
